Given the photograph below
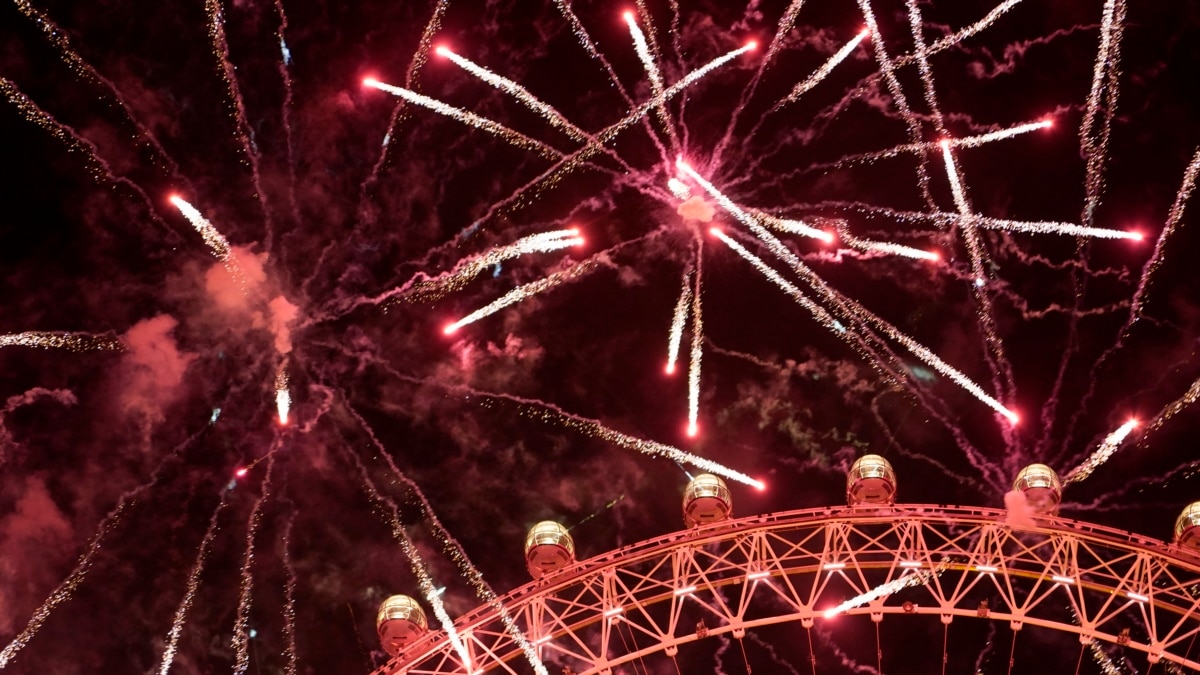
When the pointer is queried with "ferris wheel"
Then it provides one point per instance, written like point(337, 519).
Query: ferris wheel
point(729, 577)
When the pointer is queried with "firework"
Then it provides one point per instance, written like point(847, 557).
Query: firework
point(471, 119)
point(678, 320)
point(655, 77)
point(1102, 453)
point(213, 238)
point(241, 625)
point(793, 226)
point(852, 308)
point(547, 112)
point(522, 293)
point(193, 585)
point(893, 586)
point(283, 398)
point(826, 68)
point(882, 247)
point(76, 342)
point(697, 352)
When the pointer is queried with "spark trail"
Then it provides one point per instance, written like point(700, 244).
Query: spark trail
point(652, 73)
point(550, 177)
point(99, 168)
point(76, 342)
point(964, 142)
point(1095, 130)
point(678, 320)
point(544, 110)
point(244, 132)
point(522, 293)
point(415, 562)
point(217, 243)
point(283, 397)
point(241, 625)
point(548, 412)
point(289, 592)
point(455, 551)
point(893, 586)
point(1102, 453)
point(58, 37)
point(193, 585)
point(470, 119)
point(826, 68)
point(846, 305)
point(66, 589)
point(697, 352)
point(882, 247)
point(793, 226)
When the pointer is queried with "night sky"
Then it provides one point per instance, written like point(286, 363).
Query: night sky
point(345, 212)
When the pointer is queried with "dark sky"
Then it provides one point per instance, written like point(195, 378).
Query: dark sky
point(122, 454)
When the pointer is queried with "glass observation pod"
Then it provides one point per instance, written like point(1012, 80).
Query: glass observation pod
point(1043, 490)
point(706, 499)
point(548, 547)
point(871, 480)
point(1187, 527)
point(399, 622)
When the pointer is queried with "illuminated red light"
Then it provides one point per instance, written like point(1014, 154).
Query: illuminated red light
point(441, 51)
point(174, 198)
point(370, 82)
point(240, 473)
point(670, 369)
point(692, 430)
point(450, 329)
point(945, 143)
point(752, 45)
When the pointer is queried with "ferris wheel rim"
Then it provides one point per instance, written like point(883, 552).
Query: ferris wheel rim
point(861, 515)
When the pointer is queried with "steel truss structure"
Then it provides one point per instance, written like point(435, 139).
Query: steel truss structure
point(805, 566)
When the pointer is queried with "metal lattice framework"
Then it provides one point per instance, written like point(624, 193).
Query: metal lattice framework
point(1096, 582)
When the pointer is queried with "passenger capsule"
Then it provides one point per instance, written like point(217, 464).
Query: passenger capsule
point(1187, 527)
point(548, 547)
point(399, 622)
point(1042, 489)
point(871, 480)
point(706, 499)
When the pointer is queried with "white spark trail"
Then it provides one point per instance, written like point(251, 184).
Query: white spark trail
point(1102, 453)
point(849, 306)
point(964, 142)
point(825, 69)
point(653, 74)
point(456, 552)
point(893, 586)
point(213, 238)
point(76, 342)
point(419, 569)
point(887, 70)
point(545, 110)
point(193, 585)
point(1105, 78)
point(793, 226)
point(1043, 227)
point(521, 293)
point(678, 320)
point(471, 119)
point(241, 625)
point(882, 247)
point(283, 398)
point(697, 352)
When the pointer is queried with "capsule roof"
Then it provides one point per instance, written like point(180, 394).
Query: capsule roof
point(1187, 526)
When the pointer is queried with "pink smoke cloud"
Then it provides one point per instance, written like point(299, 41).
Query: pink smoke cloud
point(154, 366)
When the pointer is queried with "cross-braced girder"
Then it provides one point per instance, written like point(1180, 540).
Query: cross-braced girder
point(807, 566)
